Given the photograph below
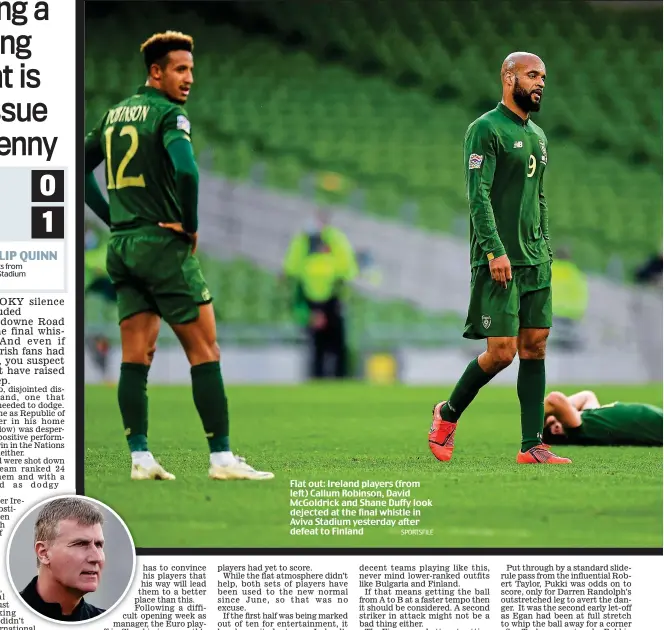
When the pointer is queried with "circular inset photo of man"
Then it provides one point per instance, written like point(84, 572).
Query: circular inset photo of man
point(71, 559)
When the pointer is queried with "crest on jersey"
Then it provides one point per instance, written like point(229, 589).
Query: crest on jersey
point(486, 321)
point(183, 124)
point(543, 149)
point(475, 161)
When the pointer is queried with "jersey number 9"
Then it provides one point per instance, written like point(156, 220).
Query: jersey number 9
point(117, 181)
point(532, 165)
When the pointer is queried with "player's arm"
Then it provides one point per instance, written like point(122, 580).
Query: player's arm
point(186, 181)
point(558, 405)
point(480, 148)
point(177, 141)
point(584, 400)
point(94, 156)
point(544, 216)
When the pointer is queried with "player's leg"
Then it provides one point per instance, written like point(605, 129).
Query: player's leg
point(535, 321)
point(499, 354)
point(199, 342)
point(198, 338)
point(139, 328)
point(531, 384)
point(138, 335)
point(184, 301)
point(492, 315)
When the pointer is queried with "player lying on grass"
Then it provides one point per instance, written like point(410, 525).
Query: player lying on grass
point(580, 419)
point(152, 182)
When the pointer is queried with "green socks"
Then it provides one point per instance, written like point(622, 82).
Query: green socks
point(472, 380)
point(209, 398)
point(531, 386)
point(212, 404)
point(133, 401)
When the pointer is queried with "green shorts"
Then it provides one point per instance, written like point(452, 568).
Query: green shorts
point(154, 270)
point(498, 312)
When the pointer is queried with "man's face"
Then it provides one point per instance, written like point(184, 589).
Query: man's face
point(554, 426)
point(529, 86)
point(178, 75)
point(77, 556)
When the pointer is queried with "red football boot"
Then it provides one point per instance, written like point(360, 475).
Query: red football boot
point(540, 454)
point(441, 435)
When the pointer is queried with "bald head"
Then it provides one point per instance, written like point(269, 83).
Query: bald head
point(522, 75)
point(517, 62)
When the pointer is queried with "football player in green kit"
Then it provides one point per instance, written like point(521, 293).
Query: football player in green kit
point(152, 182)
point(581, 419)
point(505, 155)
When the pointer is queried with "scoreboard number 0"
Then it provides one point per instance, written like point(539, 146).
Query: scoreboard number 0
point(47, 185)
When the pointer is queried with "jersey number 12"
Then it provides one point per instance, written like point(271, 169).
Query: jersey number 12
point(118, 180)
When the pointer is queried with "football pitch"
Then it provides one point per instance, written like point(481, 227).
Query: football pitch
point(608, 497)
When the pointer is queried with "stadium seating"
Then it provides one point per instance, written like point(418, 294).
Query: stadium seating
point(453, 49)
point(260, 309)
point(279, 114)
point(263, 307)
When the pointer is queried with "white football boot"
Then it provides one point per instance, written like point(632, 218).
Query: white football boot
point(226, 466)
point(144, 467)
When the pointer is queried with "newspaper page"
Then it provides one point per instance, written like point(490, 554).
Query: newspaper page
point(235, 279)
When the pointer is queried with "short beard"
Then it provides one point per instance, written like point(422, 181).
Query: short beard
point(175, 99)
point(524, 100)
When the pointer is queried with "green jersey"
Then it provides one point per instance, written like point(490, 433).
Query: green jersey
point(133, 137)
point(618, 424)
point(505, 158)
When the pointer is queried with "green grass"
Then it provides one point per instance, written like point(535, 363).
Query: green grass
point(609, 497)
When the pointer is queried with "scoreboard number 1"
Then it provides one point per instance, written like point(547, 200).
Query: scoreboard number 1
point(48, 222)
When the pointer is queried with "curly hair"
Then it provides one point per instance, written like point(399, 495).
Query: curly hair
point(156, 48)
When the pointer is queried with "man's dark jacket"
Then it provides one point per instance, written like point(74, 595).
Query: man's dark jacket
point(54, 611)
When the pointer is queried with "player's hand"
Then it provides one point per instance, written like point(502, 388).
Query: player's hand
point(501, 270)
point(177, 227)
